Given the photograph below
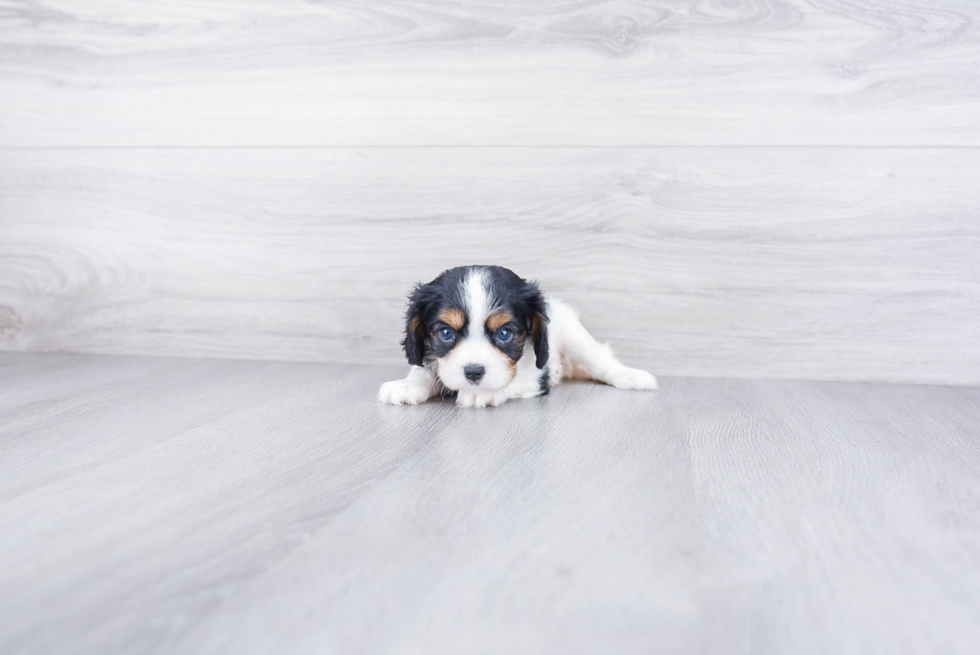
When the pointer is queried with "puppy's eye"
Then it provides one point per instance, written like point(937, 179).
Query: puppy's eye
point(504, 335)
point(447, 335)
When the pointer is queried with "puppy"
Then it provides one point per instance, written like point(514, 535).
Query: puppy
point(489, 336)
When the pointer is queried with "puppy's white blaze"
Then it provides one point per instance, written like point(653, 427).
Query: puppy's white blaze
point(477, 298)
point(475, 347)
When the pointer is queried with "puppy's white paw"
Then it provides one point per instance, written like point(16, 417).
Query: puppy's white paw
point(480, 398)
point(403, 392)
point(633, 378)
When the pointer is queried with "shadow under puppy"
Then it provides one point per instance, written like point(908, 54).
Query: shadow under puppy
point(490, 335)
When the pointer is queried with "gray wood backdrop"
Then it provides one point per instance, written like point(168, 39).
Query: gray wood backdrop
point(764, 188)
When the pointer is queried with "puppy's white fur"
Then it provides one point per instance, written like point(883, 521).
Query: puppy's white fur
point(573, 353)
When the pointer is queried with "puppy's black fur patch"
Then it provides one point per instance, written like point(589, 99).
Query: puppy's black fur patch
point(424, 304)
point(524, 300)
point(543, 381)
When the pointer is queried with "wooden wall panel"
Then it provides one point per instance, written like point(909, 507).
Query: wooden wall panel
point(663, 72)
point(757, 187)
point(831, 263)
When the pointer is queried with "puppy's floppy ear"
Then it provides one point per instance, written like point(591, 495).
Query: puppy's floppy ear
point(415, 336)
point(538, 322)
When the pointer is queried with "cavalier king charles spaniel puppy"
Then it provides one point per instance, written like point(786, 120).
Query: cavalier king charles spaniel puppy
point(489, 336)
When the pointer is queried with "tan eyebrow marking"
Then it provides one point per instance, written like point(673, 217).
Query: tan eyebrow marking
point(454, 318)
point(499, 319)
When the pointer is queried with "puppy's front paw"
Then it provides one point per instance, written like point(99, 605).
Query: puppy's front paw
point(633, 378)
point(403, 392)
point(480, 398)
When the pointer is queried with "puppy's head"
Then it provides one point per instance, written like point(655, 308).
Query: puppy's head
point(473, 323)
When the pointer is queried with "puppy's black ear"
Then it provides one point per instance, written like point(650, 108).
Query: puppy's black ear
point(538, 320)
point(415, 336)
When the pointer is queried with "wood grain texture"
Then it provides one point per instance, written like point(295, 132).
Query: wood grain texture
point(662, 72)
point(152, 505)
point(759, 262)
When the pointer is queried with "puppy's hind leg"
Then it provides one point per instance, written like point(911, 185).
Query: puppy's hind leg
point(587, 354)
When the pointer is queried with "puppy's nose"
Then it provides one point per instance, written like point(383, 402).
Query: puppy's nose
point(473, 372)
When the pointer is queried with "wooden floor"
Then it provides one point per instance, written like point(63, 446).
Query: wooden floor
point(155, 505)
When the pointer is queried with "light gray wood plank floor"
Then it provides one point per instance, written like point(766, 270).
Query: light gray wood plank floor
point(153, 505)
